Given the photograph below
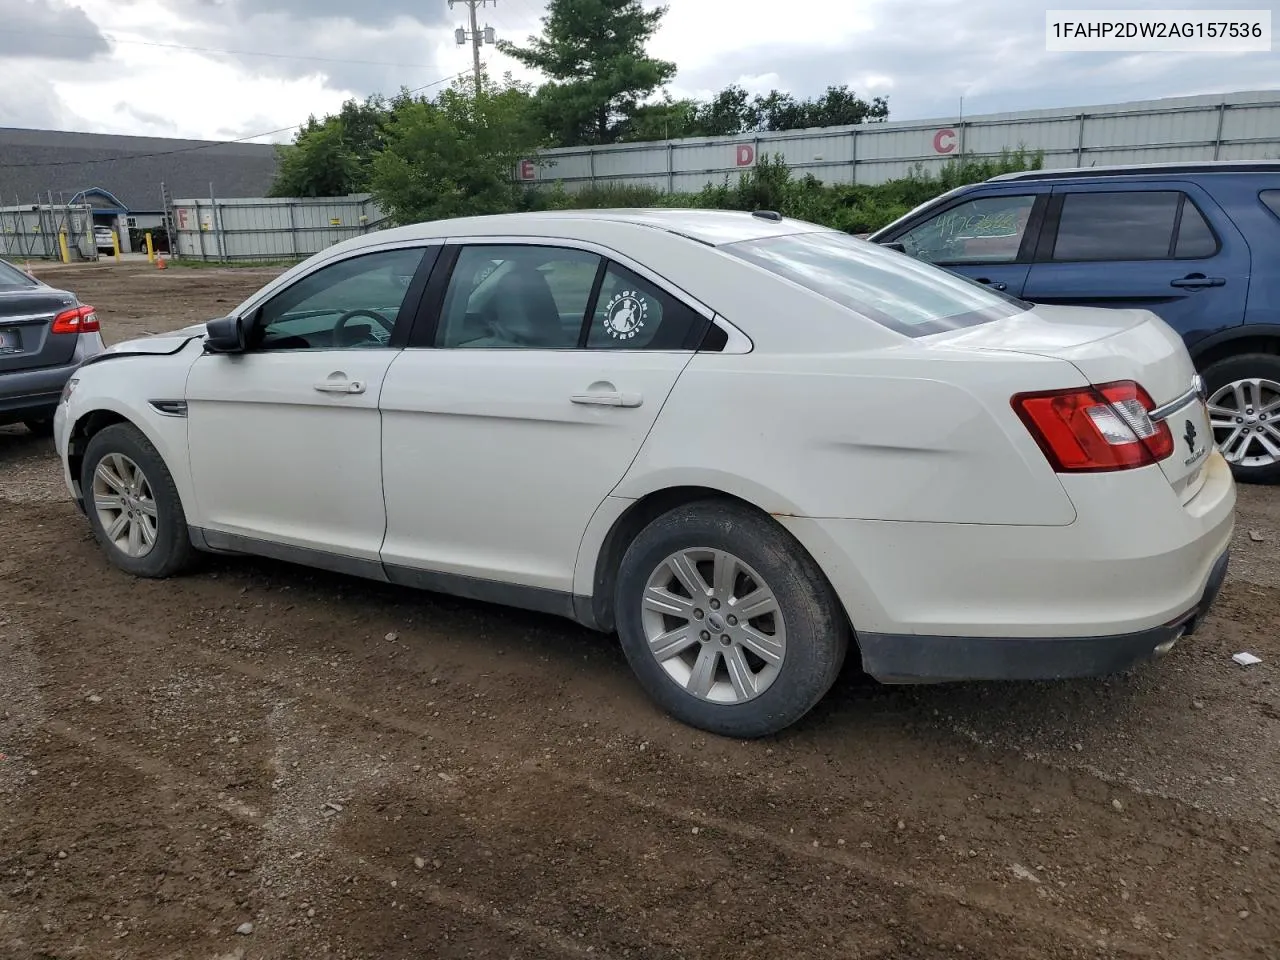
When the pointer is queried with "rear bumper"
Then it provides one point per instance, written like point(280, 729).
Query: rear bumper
point(919, 659)
point(940, 601)
point(33, 394)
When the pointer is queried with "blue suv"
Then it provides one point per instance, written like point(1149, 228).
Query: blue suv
point(1196, 243)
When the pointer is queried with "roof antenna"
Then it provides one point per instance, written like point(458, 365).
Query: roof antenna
point(771, 215)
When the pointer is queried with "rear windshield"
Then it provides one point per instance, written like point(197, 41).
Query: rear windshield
point(903, 294)
point(11, 276)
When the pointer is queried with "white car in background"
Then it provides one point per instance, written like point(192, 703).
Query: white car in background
point(103, 238)
point(741, 441)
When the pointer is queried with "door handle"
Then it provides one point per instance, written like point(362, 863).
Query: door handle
point(1198, 280)
point(340, 386)
point(996, 285)
point(607, 398)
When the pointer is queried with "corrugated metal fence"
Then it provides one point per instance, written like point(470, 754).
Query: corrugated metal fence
point(30, 231)
point(268, 228)
point(1234, 126)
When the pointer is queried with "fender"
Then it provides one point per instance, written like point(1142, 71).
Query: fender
point(1242, 332)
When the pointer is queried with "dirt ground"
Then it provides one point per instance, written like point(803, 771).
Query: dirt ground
point(362, 771)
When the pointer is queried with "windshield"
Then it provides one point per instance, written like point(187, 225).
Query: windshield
point(11, 276)
point(913, 298)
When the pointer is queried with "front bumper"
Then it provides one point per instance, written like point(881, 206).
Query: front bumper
point(893, 658)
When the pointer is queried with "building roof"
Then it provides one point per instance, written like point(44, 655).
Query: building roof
point(34, 162)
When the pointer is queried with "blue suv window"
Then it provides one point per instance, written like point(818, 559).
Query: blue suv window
point(983, 230)
point(1138, 225)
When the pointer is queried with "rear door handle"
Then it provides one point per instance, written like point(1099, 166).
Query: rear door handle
point(341, 386)
point(608, 398)
point(1198, 280)
point(994, 285)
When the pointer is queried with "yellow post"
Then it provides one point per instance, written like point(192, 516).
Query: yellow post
point(115, 243)
point(151, 250)
point(62, 246)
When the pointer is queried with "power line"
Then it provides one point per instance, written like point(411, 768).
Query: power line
point(200, 146)
point(238, 53)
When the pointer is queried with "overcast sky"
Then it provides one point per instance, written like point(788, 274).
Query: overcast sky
point(231, 68)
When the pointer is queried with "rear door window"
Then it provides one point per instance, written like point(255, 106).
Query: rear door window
point(983, 230)
point(1132, 225)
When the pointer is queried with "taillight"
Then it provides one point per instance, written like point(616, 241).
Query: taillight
point(1091, 429)
point(76, 320)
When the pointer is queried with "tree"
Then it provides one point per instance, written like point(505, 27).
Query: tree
point(456, 155)
point(593, 51)
point(333, 157)
point(317, 164)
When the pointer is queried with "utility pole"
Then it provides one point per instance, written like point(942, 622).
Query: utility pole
point(474, 36)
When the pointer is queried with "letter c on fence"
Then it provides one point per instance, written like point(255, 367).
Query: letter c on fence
point(746, 154)
point(944, 141)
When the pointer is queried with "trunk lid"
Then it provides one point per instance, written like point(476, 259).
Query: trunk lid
point(26, 316)
point(1106, 345)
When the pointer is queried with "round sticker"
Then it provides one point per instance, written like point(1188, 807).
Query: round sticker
point(625, 315)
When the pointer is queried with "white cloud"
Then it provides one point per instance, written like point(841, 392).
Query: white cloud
point(924, 55)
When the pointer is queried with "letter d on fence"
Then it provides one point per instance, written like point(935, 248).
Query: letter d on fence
point(746, 154)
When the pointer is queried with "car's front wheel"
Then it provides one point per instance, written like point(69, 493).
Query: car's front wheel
point(133, 504)
point(727, 622)
point(1244, 408)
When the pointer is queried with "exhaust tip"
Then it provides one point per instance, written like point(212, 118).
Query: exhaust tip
point(1162, 649)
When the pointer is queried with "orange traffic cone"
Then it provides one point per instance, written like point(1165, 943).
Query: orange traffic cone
point(160, 264)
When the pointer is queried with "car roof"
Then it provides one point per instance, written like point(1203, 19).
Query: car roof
point(711, 227)
point(1138, 169)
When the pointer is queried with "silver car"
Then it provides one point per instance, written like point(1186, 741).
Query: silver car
point(45, 333)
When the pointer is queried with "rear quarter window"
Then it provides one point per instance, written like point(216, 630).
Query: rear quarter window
point(893, 289)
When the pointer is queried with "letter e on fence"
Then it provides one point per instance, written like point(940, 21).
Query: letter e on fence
point(527, 170)
point(746, 154)
point(944, 141)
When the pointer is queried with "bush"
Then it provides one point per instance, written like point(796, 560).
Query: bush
point(769, 185)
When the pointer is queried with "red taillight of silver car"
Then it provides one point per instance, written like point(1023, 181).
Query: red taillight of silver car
point(76, 320)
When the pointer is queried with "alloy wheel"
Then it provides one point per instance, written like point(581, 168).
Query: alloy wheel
point(714, 625)
point(125, 505)
point(1245, 415)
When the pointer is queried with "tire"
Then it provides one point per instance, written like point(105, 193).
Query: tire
point(813, 629)
point(1249, 463)
point(40, 428)
point(170, 551)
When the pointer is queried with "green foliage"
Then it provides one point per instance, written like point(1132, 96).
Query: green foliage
point(861, 208)
point(455, 155)
point(333, 157)
point(318, 164)
point(733, 112)
point(593, 51)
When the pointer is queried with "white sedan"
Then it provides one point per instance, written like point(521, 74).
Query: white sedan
point(743, 442)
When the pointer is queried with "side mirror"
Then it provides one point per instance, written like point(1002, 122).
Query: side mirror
point(894, 245)
point(224, 335)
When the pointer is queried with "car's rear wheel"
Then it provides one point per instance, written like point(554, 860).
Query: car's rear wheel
point(133, 504)
point(727, 622)
point(1244, 408)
